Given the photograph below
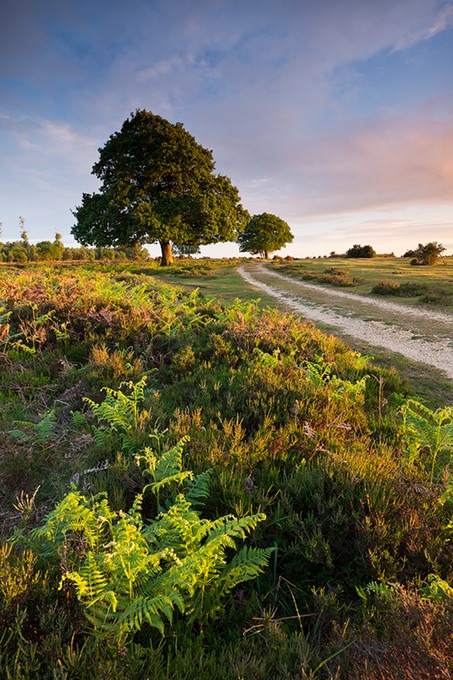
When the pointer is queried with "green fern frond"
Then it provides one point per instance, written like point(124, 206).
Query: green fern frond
point(20, 436)
point(90, 582)
point(75, 514)
point(120, 411)
point(149, 609)
point(247, 564)
point(431, 430)
point(43, 430)
point(133, 571)
point(198, 488)
point(234, 527)
point(170, 462)
point(176, 479)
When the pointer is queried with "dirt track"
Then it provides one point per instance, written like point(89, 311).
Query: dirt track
point(420, 335)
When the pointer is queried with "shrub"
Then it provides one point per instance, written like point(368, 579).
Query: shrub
point(361, 251)
point(386, 288)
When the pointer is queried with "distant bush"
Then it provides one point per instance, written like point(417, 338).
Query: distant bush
point(361, 251)
point(412, 289)
point(437, 297)
point(427, 254)
point(337, 277)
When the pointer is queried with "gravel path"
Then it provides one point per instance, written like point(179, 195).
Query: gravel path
point(434, 350)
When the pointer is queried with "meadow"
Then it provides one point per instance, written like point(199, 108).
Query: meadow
point(201, 486)
point(430, 286)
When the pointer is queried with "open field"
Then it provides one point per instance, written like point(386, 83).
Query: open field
point(427, 286)
point(194, 489)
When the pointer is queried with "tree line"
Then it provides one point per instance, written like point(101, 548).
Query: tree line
point(23, 251)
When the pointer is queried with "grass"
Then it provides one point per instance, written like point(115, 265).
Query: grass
point(428, 383)
point(436, 280)
point(222, 282)
point(292, 423)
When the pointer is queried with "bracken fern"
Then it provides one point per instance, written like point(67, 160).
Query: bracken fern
point(429, 430)
point(128, 571)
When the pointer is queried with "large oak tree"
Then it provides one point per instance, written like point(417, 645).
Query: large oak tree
point(264, 233)
point(157, 185)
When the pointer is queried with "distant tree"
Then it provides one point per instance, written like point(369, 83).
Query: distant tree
point(263, 234)
point(158, 185)
point(427, 254)
point(17, 252)
point(361, 251)
point(45, 250)
point(50, 250)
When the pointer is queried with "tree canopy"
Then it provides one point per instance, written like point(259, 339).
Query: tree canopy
point(263, 234)
point(157, 185)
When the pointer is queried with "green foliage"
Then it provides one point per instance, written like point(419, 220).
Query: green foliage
point(290, 423)
point(429, 432)
point(130, 571)
point(361, 251)
point(426, 254)
point(158, 184)
point(264, 233)
point(121, 413)
point(41, 432)
point(436, 588)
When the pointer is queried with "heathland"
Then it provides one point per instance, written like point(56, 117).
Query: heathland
point(196, 484)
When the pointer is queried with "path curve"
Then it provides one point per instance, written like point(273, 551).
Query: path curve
point(436, 351)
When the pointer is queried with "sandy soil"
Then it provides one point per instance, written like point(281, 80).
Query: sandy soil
point(435, 348)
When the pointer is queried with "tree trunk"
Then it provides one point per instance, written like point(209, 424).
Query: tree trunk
point(266, 254)
point(167, 255)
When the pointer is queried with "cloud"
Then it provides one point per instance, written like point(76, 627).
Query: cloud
point(380, 163)
point(273, 88)
point(441, 21)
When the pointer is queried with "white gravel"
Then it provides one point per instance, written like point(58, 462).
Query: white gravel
point(435, 351)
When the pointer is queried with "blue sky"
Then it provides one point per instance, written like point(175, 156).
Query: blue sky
point(336, 115)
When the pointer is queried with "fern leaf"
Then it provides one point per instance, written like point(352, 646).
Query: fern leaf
point(237, 528)
point(149, 609)
point(170, 463)
point(177, 478)
point(19, 435)
point(247, 564)
point(198, 489)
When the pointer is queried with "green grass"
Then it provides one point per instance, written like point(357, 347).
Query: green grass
point(428, 383)
point(222, 282)
point(438, 278)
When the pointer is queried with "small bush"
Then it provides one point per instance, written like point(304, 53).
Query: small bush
point(386, 288)
point(412, 289)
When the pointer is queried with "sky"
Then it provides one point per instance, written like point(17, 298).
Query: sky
point(335, 115)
